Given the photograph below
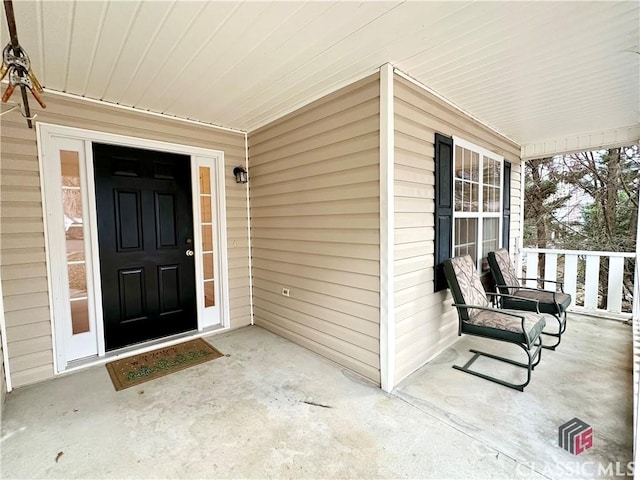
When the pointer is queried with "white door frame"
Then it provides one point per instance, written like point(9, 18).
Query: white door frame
point(51, 138)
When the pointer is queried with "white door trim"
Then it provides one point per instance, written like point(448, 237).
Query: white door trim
point(48, 136)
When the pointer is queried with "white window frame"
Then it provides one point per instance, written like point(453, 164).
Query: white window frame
point(479, 215)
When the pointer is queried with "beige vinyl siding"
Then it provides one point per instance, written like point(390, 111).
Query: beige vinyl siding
point(315, 226)
point(22, 248)
point(425, 322)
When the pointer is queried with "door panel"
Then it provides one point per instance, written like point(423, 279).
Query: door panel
point(145, 227)
point(128, 220)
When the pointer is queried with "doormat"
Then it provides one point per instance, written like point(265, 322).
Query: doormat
point(140, 368)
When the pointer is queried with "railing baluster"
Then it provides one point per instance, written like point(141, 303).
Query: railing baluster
point(571, 276)
point(614, 289)
point(532, 269)
point(591, 278)
point(550, 270)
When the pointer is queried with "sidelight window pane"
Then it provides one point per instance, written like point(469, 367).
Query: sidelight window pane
point(72, 208)
point(70, 168)
point(207, 238)
point(207, 260)
point(205, 180)
point(205, 204)
point(79, 316)
point(77, 280)
point(209, 294)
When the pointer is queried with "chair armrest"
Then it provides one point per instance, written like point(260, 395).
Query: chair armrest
point(547, 281)
point(552, 292)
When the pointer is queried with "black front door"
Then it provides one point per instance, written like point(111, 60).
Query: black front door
point(145, 235)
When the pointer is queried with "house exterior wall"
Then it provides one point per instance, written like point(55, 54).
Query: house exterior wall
point(22, 248)
point(425, 322)
point(315, 226)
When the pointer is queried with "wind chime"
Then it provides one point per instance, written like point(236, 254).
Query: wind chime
point(16, 64)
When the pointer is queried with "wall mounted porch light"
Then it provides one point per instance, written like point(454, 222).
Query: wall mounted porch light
point(241, 175)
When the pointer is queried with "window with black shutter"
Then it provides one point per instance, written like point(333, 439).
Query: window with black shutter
point(472, 196)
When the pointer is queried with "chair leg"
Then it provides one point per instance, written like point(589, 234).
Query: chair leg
point(533, 360)
point(563, 322)
point(562, 326)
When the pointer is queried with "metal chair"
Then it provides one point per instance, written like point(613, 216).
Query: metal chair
point(476, 317)
point(548, 301)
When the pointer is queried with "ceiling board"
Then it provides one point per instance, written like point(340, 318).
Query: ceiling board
point(532, 70)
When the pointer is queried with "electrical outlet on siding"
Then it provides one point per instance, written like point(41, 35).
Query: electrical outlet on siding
point(285, 292)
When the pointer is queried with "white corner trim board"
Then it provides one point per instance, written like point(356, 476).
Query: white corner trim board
point(387, 306)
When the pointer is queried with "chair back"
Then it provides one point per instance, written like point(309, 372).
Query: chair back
point(503, 271)
point(465, 285)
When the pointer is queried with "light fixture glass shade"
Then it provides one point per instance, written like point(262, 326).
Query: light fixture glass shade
point(241, 175)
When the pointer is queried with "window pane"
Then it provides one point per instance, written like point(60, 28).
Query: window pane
point(458, 163)
point(209, 294)
point(77, 280)
point(474, 166)
point(70, 168)
point(466, 181)
point(458, 194)
point(472, 203)
point(491, 199)
point(205, 180)
point(205, 202)
point(79, 316)
point(207, 238)
point(491, 174)
point(466, 237)
point(207, 260)
point(489, 235)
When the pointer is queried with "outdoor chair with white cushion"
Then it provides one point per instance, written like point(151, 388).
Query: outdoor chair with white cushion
point(477, 317)
point(530, 299)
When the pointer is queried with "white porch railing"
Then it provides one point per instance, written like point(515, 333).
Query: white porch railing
point(580, 270)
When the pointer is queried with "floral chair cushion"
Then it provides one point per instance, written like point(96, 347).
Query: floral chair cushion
point(533, 322)
point(505, 266)
point(469, 282)
point(544, 297)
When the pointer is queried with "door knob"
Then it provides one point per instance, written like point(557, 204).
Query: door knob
point(189, 253)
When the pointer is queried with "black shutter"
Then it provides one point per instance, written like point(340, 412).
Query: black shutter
point(444, 207)
point(506, 205)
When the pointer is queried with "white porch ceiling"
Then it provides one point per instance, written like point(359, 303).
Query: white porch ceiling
point(535, 71)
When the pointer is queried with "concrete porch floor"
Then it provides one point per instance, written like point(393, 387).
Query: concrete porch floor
point(272, 409)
